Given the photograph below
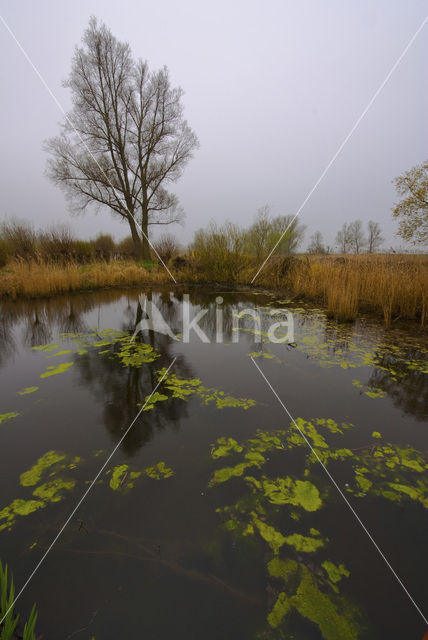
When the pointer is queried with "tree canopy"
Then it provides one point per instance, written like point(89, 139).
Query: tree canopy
point(412, 211)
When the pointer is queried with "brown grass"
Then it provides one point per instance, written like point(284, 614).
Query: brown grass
point(36, 280)
point(393, 286)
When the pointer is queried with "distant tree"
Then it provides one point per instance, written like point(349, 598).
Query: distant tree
point(125, 138)
point(357, 239)
point(265, 232)
point(343, 238)
point(316, 245)
point(289, 231)
point(258, 233)
point(412, 211)
point(374, 236)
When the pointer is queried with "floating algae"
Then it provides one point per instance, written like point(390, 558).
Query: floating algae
point(50, 491)
point(8, 416)
point(53, 371)
point(122, 477)
point(158, 471)
point(272, 508)
point(184, 389)
point(27, 391)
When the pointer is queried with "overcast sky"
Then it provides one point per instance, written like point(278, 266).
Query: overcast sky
point(271, 89)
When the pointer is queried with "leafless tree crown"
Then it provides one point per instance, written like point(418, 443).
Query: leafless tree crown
point(125, 138)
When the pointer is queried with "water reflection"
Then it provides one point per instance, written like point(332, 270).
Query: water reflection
point(361, 344)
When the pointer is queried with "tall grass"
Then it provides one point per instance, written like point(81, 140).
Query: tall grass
point(393, 286)
point(7, 598)
point(35, 280)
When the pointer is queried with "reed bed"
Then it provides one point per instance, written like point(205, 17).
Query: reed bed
point(35, 280)
point(393, 286)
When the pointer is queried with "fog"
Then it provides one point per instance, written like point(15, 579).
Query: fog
point(271, 90)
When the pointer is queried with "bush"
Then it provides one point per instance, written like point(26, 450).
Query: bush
point(20, 239)
point(104, 247)
point(83, 251)
point(57, 244)
point(125, 248)
point(167, 247)
point(220, 251)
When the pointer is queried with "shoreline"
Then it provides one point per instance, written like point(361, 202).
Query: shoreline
point(23, 281)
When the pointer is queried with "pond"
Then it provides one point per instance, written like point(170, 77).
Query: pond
point(213, 513)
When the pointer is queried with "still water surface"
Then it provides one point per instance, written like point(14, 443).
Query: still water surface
point(213, 519)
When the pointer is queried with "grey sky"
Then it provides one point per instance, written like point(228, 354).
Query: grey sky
point(271, 89)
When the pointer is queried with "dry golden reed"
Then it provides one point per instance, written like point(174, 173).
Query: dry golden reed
point(393, 286)
point(34, 280)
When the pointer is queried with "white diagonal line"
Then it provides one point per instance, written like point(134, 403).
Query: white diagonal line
point(84, 495)
point(340, 491)
point(354, 127)
point(61, 108)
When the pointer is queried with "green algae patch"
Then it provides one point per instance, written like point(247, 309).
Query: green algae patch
point(305, 544)
point(52, 491)
point(122, 478)
point(225, 447)
point(8, 416)
point(317, 607)
point(274, 538)
point(376, 434)
point(53, 371)
point(60, 353)
point(222, 400)
point(151, 400)
point(371, 392)
point(184, 389)
point(135, 354)
point(225, 474)
point(46, 347)
point(18, 507)
point(158, 471)
point(117, 476)
point(287, 491)
point(27, 391)
point(284, 569)
point(334, 572)
point(280, 609)
point(32, 476)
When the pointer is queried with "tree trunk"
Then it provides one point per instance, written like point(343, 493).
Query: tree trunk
point(145, 239)
point(138, 247)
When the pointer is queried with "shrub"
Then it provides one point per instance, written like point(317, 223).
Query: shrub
point(20, 238)
point(57, 244)
point(220, 251)
point(83, 251)
point(125, 248)
point(104, 246)
point(167, 247)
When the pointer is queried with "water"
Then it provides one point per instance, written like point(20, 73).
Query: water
point(242, 538)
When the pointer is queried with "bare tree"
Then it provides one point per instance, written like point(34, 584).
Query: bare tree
point(343, 238)
point(258, 233)
point(357, 239)
point(374, 236)
point(125, 138)
point(316, 245)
